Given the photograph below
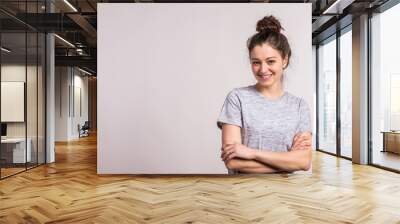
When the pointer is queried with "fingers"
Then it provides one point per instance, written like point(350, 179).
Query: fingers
point(227, 155)
point(306, 143)
point(301, 137)
point(229, 151)
point(296, 136)
point(226, 151)
point(303, 144)
point(231, 156)
point(302, 141)
point(300, 147)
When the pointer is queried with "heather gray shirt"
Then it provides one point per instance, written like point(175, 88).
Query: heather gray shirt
point(265, 124)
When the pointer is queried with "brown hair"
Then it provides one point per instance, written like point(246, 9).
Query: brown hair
point(269, 32)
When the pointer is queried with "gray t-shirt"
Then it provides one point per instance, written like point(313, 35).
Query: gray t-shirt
point(265, 124)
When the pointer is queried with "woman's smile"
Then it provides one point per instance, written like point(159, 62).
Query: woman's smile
point(265, 77)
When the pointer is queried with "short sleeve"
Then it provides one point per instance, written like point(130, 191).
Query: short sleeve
point(231, 112)
point(305, 117)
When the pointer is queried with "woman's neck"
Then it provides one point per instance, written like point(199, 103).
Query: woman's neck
point(271, 92)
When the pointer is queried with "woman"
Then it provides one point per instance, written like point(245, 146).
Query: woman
point(264, 128)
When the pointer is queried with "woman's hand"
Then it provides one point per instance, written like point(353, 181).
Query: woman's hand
point(236, 150)
point(302, 141)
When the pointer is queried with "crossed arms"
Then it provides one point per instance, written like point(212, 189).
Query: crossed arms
point(237, 156)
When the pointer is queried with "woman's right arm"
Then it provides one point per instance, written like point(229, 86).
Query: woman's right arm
point(230, 135)
point(249, 166)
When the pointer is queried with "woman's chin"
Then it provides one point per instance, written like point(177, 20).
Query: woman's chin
point(263, 83)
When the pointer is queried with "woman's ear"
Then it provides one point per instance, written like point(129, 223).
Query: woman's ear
point(285, 62)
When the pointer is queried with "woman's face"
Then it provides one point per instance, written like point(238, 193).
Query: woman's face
point(267, 65)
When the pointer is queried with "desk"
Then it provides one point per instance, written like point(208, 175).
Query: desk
point(15, 148)
point(391, 141)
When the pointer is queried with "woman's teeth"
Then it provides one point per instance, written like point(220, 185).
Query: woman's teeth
point(264, 76)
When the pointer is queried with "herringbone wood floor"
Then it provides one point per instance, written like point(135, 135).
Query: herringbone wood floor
point(70, 191)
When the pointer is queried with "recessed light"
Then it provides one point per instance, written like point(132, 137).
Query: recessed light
point(5, 50)
point(70, 5)
point(64, 40)
point(84, 71)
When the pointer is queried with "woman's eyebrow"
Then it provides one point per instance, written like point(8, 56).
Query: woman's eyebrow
point(256, 59)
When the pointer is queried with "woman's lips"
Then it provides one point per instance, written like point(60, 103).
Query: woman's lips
point(264, 77)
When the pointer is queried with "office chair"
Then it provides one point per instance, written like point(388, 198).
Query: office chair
point(84, 130)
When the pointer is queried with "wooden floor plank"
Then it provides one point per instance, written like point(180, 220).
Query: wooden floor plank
point(70, 191)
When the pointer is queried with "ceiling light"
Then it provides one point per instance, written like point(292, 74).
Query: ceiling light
point(337, 7)
point(64, 40)
point(5, 50)
point(70, 5)
point(84, 71)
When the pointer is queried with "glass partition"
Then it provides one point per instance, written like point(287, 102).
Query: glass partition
point(346, 93)
point(41, 85)
point(31, 100)
point(327, 96)
point(13, 109)
point(385, 89)
point(22, 63)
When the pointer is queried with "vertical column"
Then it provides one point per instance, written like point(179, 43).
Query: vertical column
point(50, 92)
point(360, 90)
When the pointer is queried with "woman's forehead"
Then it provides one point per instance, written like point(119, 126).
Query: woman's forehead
point(264, 51)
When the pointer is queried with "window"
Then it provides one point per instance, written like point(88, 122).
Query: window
point(346, 93)
point(385, 89)
point(327, 96)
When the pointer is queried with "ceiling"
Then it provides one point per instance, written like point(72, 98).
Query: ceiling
point(76, 22)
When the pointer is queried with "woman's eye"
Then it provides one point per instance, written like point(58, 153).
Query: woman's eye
point(270, 62)
point(256, 63)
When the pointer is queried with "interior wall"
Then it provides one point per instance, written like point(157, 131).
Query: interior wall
point(71, 102)
point(80, 104)
point(62, 80)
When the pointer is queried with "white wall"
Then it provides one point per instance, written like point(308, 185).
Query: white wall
point(68, 81)
point(164, 71)
point(80, 102)
point(61, 103)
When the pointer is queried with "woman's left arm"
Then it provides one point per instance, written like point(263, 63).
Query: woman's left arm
point(288, 161)
point(298, 158)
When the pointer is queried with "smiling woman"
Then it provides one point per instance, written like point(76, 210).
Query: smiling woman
point(264, 128)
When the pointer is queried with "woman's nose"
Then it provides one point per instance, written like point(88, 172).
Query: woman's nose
point(264, 67)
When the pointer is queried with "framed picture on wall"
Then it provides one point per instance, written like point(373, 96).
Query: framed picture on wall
point(12, 101)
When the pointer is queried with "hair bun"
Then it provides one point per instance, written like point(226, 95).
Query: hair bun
point(269, 23)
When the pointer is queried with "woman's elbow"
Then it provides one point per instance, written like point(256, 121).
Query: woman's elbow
point(306, 166)
point(302, 161)
point(231, 164)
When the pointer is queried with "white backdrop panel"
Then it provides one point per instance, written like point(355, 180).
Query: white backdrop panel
point(164, 71)
point(12, 101)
